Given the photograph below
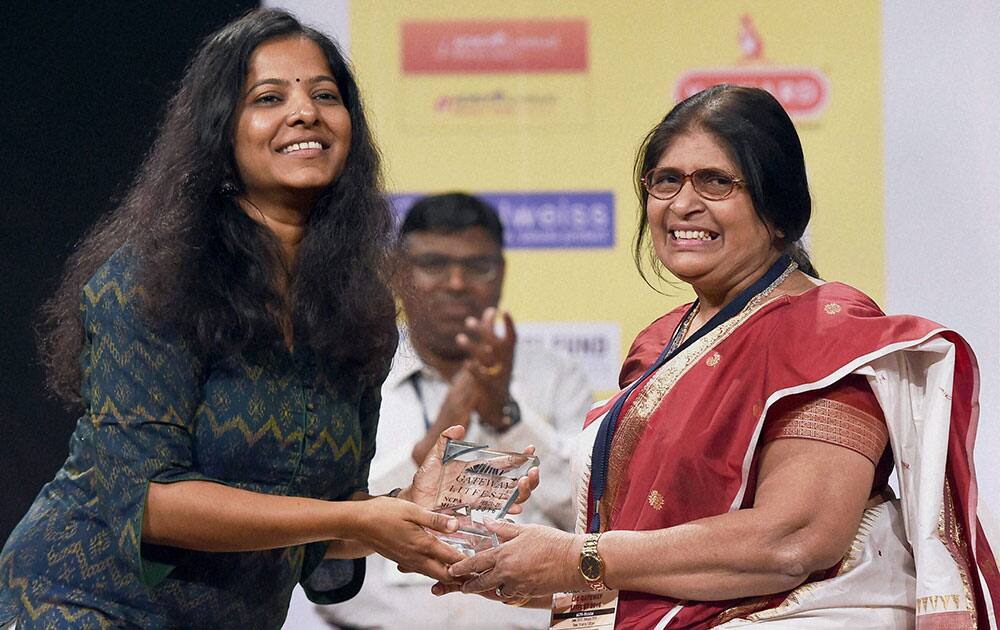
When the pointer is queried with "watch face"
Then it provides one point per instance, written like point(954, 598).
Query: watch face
point(511, 412)
point(590, 567)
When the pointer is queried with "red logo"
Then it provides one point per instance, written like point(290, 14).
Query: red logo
point(803, 92)
point(494, 46)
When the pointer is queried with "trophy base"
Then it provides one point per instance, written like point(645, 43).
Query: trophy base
point(471, 537)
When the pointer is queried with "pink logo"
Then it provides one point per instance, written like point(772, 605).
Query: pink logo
point(494, 46)
point(803, 92)
point(750, 42)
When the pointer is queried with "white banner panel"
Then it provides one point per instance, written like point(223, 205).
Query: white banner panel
point(593, 345)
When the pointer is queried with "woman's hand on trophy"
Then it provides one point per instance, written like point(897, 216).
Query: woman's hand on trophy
point(525, 485)
point(402, 532)
point(423, 489)
point(427, 480)
point(532, 561)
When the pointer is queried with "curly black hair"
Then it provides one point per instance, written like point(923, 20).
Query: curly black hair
point(206, 267)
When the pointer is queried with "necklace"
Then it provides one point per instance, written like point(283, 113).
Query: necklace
point(682, 330)
point(749, 298)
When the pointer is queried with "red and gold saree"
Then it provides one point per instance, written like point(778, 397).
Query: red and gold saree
point(687, 438)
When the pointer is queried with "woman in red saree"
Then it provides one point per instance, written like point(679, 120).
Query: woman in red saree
point(740, 476)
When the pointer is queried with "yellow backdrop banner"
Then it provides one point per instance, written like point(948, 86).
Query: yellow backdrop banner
point(542, 107)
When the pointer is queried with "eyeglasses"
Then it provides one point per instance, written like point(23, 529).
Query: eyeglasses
point(437, 267)
point(711, 183)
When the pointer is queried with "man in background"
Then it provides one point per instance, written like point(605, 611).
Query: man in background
point(452, 367)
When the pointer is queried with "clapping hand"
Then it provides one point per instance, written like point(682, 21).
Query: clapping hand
point(490, 362)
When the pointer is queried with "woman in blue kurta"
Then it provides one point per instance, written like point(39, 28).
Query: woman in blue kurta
point(233, 325)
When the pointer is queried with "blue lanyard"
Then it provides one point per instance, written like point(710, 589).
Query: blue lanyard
point(415, 381)
point(602, 444)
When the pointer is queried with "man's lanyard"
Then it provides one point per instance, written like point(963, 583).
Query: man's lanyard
point(415, 381)
point(602, 444)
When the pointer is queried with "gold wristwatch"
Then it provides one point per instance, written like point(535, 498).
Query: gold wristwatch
point(591, 564)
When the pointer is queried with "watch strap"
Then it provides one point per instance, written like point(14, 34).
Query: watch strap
point(589, 555)
point(511, 413)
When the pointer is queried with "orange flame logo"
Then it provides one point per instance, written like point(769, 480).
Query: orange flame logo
point(750, 41)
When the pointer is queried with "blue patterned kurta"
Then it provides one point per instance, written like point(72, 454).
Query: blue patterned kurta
point(268, 421)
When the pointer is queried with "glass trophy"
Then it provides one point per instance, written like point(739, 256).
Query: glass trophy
point(478, 484)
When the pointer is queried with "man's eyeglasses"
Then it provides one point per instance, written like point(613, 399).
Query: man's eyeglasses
point(437, 267)
point(711, 183)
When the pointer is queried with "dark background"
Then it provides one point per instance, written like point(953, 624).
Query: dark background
point(84, 87)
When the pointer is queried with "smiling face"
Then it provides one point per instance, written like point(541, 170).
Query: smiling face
point(718, 247)
point(437, 307)
point(293, 132)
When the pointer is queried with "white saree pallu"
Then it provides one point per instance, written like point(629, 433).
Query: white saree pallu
point(874, 588)
point(914, 387)
point(904, 569)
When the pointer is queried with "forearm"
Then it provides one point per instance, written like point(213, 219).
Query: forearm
point(809, 500)
point(347, 550)
point(207, 516)
point(807, 508)
point(722, 557)
point(738, 554)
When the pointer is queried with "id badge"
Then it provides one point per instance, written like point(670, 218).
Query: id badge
point(584, 609)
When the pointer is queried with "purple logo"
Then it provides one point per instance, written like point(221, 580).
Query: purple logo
point(541, 220)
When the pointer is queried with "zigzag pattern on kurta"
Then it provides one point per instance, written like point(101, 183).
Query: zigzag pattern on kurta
point(268, 421)
point(251, 435)
point(325, 438)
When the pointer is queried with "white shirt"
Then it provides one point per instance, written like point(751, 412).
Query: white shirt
point(554, 396)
